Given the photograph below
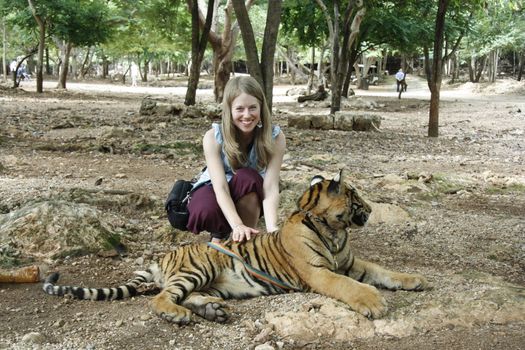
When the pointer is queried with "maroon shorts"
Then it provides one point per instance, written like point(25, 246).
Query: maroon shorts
point(205, 213)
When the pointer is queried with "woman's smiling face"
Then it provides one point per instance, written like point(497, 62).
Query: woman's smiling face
point(246, 113)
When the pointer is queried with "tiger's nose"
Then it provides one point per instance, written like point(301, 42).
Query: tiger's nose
point(360, 219)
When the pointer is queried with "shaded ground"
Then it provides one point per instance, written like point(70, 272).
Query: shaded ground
point(467, 219)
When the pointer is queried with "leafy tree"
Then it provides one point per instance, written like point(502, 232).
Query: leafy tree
point(304, 26)
point(77, 23)
point(498, 27)
point(461, 11)
point(148, 30)
point(81, 24)
point(343, 29)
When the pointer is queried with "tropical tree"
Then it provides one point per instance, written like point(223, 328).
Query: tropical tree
point(76, 23)
point(343, 29)
point(80, 24)
point(498, 27)
point(304, 26)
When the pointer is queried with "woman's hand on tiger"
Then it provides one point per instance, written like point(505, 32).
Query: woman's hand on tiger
point(242, 232)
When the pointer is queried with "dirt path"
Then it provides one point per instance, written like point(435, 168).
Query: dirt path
point(463, 194)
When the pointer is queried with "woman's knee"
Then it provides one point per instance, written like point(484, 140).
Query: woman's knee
point(246, 180)
point(249, 200)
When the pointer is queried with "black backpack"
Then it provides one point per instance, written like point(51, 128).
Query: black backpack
point(177, 202)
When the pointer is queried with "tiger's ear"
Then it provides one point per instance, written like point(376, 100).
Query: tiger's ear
point(316, 179)
point(335, 183)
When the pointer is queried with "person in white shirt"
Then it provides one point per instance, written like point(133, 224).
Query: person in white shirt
point(400, 80)
point(134, 74)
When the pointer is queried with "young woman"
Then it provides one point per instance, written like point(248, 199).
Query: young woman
point(243, 160)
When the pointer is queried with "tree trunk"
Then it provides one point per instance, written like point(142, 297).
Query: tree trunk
point(262, 71)
point(453, 63)
point(4, 50)
point(223, 67)
point(471, 69)
point(480, 67)
point(105, 67)
point(494, 57)
point(84, 69)
point(348, 79)
point(340, 52)
point(437, 68)
point(271, 31)
point(520, 69)
point(385, 61)
point(223, 47)
point(292, 66)
point(248, 38)
point(350, 32)
point(321, 71)
point(310, 84)
point(198, 46)
point(41, 48)
point(66, 51)
point(145, 70)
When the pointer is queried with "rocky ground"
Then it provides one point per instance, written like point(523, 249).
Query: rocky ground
point(86, 161)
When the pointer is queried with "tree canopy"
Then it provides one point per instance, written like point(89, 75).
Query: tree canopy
point(336, 36)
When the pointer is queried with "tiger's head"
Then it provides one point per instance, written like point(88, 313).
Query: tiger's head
point(335, 202)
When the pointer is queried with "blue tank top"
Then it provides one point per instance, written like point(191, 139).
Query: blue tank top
point(252, 156)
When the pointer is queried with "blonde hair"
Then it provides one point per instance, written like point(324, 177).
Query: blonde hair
point(263, 141)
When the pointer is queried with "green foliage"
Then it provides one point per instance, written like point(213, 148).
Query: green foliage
point(150, 29)
point(82, 24)
point(401, 26)
point(304, 22)
point(500, 25)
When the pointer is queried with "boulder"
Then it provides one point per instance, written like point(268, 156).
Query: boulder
point(342, 120)
point(51, 229)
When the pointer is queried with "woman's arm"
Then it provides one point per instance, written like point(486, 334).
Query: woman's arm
point(271, 184)
point(212, 153)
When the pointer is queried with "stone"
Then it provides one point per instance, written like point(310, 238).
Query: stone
point(299, 121)
point(366, 122)
point(57, 228)
point(323, 122)
point(34, 338)
point(264, 346)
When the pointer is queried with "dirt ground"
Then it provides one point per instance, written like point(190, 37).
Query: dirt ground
point(464, 193)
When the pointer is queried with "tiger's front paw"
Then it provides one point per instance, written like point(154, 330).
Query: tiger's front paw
point(215, 312)
point(181, 317)
point(208, 307)
point(369, 302)
point(169, 311)
point(414, 282)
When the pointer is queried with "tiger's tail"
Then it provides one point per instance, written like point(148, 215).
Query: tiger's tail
point(127, 290)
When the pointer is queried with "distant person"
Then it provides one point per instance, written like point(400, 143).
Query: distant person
point(134, 74)
point(400, 80)
point(12, 67)
point(22, 72)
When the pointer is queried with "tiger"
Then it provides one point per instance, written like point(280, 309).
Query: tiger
point(310, 253)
